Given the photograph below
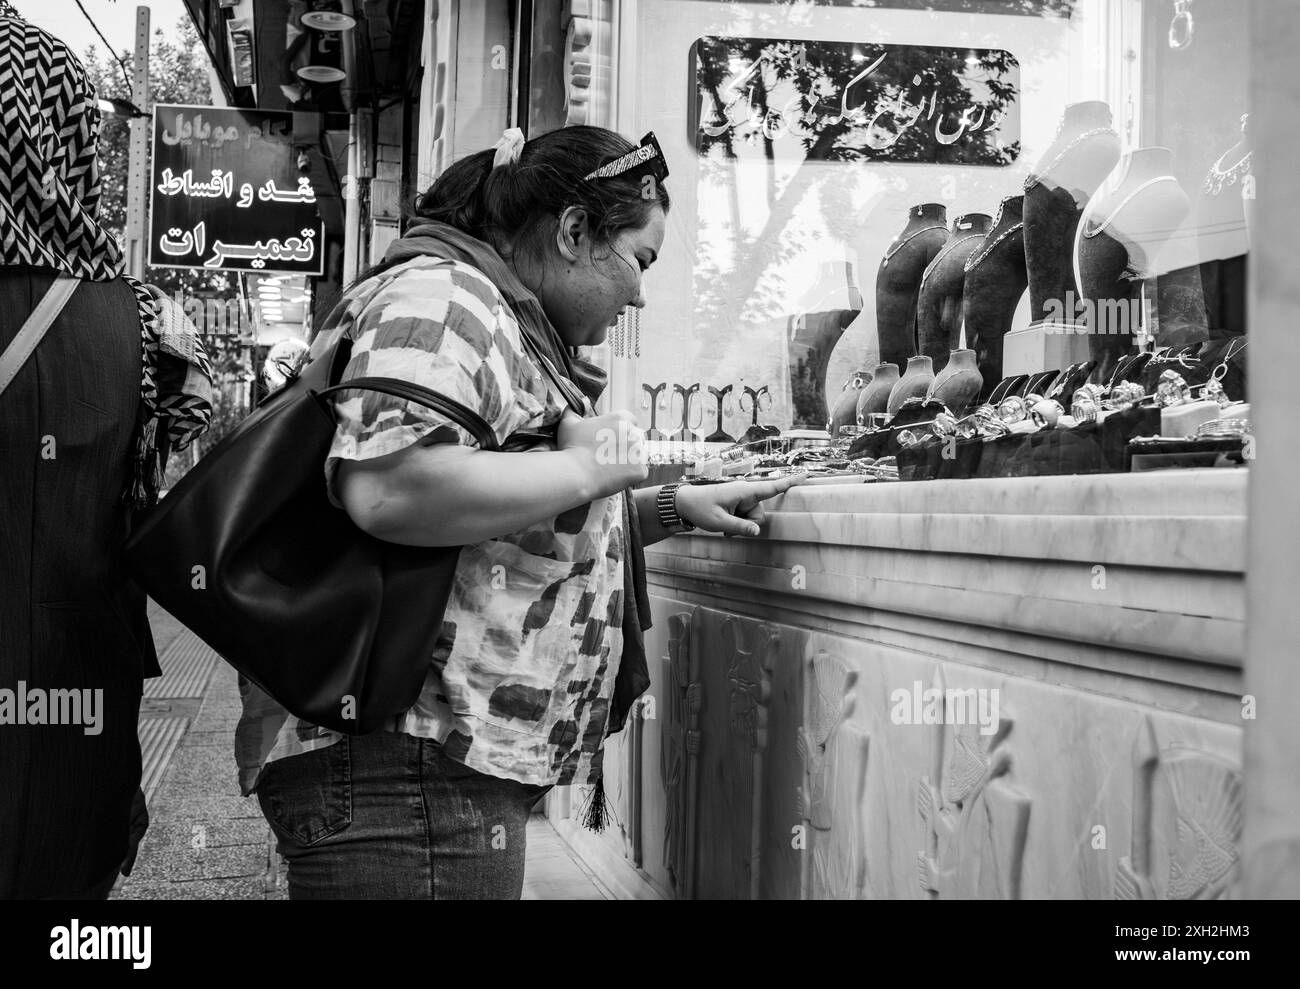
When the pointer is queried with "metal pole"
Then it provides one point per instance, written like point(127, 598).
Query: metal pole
point(137, 183)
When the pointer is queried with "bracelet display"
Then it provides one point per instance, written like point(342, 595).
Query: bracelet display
point(666, 503)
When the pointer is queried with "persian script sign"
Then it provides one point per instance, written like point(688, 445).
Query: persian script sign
point(848, 101)
point(226, 193)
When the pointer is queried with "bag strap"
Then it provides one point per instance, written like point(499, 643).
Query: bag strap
point(467, 418)
point(31, 333)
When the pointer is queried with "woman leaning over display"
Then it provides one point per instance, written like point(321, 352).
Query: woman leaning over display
point(517, 255)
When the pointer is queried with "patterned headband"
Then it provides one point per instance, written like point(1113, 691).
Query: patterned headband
point(648, 158)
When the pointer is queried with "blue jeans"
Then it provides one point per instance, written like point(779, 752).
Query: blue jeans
point(389, 816)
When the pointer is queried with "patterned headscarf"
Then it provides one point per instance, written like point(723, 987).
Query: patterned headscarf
point(49, 218)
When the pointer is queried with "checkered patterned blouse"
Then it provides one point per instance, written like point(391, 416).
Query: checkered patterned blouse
point(520, 681)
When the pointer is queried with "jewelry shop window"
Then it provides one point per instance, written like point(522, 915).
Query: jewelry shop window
point(877, 202)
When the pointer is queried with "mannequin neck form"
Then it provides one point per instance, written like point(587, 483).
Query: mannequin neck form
point(926, 215)
point(1010, 212)
point(920, 361)
point(1080, 117)
point(961, 358)
point(972, 223)
point(1143, 165)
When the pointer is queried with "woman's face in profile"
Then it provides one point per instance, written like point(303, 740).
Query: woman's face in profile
point(592, 283)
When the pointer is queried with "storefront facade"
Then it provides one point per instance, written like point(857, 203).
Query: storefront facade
point(784, 749)
point(1008, 681)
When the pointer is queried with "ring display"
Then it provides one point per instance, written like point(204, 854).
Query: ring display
point(1084, 408)
point(1172, 389)
point(1012, 410)
point(1220, 428)
point(1047, 413)
point(1125, 395)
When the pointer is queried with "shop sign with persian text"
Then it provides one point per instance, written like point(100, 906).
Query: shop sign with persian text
point(227, 194)
point(857, 101)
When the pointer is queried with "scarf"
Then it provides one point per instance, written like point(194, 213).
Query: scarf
point(49, 218)
point(441, 240)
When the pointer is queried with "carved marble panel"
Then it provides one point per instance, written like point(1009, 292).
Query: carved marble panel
point(679, 753)
point(834, 751)
point(976, 816)
point(737, 656)
point(1186, 827)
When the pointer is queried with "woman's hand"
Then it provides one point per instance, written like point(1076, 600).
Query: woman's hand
point(608, 449)
point(734, 508)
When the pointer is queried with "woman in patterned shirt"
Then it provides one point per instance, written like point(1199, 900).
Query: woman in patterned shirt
point(519, 254)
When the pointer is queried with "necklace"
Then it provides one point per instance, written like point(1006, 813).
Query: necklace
point(890, 254)
point(933, 265)
point(1220, 178)
point(975, 259)
point(1120, 208)
point(1220, 371)
point(1033, 180)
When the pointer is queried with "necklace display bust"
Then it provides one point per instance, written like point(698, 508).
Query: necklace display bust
point(1124, 233)
point(939, 301)
point(899, 278)
point(1071, 170)
point(996, 279)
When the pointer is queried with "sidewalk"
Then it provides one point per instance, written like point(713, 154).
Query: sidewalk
point(205, 841)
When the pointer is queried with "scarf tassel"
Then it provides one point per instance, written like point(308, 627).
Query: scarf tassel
point(146, 473)
point(598, 811)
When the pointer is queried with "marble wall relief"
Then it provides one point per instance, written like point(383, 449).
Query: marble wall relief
point(632, 785)
point(749, 679)
point(1186, 823)
point(976, 817)
point(679, 753)
point(834, 752)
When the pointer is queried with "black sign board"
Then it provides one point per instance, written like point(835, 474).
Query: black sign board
point(227, 194)
point(857, 102)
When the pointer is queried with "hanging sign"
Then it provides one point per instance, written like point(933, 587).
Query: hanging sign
point(848, 101)
point(226, 193)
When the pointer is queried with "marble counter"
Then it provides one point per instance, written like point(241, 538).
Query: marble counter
point(976, 688)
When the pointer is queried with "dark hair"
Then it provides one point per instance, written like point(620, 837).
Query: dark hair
point(508, 207)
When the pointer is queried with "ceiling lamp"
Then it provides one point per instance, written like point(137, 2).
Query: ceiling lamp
point(321, 73)
point(328, 20)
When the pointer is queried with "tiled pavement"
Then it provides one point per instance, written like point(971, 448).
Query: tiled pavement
point(205, 841)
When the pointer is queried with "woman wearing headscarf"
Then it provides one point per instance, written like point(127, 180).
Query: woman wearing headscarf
point(119, 374)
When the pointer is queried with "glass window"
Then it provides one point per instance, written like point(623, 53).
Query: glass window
point(1046, 183)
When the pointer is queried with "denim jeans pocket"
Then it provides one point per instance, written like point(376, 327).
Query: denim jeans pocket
point(308, 797)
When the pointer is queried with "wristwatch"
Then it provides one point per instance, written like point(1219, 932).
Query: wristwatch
point(666, 503)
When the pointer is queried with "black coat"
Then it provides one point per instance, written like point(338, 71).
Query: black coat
point(68, 616)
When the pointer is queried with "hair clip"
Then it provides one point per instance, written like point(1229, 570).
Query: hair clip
point(648, 158)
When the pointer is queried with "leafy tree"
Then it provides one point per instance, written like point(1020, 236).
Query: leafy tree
point(177, 74)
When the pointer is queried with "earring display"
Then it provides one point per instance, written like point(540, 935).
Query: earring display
point(719, 435)
point(845, 410)
point(685, 432)
point(755, 431)
point(653, 400)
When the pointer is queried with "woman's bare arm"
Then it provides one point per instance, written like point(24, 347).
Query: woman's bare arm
point(449, 495)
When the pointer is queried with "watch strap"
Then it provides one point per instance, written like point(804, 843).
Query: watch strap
point(666, 504)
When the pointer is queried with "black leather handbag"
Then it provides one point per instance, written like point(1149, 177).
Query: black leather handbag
point(249, 553)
